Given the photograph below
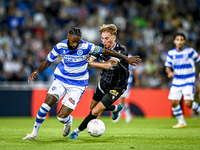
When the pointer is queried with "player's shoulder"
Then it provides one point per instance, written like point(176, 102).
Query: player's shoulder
point(121, 46)
point(83, 42)
point(189, 48)
point(172, 51)
point(62, 44)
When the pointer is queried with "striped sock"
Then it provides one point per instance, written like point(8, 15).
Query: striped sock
point(178, 113)
point(195, 106)
point(65, 120)
point(41, 115)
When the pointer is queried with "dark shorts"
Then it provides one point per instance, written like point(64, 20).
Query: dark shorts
point(107, 93)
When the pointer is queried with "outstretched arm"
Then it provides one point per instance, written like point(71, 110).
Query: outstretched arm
point(41, 68)
point(135, 60)
point(103, 65)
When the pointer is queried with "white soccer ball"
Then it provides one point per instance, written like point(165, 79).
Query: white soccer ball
point(96, 127)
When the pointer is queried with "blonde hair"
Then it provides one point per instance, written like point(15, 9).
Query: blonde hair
point(111, 28)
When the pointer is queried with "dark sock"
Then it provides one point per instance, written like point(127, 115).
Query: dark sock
point(83, 125)
point(110, 108)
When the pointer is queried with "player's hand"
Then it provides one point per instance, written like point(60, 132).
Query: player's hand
point(170, 74)
point(134, 60)
point(33, 75)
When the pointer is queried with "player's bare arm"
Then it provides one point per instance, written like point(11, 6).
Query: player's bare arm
point(169, 72)
point(104, 65)
point(135, 60)
point(41, 68)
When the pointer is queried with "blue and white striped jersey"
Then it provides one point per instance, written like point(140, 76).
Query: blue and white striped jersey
point(183, 64)
point(72, 68)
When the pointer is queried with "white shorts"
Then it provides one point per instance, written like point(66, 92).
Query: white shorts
point(177, 92)
point(73, 93)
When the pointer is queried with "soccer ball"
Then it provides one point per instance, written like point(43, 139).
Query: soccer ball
point(96, 127)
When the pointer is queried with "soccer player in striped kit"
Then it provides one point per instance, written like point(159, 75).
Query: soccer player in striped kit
point(70, 77)
point(180, 65)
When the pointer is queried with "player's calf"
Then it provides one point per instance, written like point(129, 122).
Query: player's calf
point(67, 124)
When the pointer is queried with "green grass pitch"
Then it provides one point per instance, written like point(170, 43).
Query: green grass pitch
point(140, 134)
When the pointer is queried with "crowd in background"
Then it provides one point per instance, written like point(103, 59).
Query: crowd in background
point(29, 29)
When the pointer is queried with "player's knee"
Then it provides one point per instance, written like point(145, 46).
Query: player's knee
point(51, 100)
point(188, 103)
point(62, 120)
point(175, 103)
point(95, 112)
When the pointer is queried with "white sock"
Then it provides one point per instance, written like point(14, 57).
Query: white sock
point(41, 115)
point(64, 120)
point(115, 108)
point(77, 131)
point(127, 110)
point(178, 113)
point(195, 106)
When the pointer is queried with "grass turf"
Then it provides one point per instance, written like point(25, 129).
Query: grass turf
point(140, 134)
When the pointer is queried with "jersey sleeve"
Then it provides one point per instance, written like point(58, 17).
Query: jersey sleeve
point(195, 56)
point(51, 57)
point(95, 50)
point(168, 62)
point(131, 67)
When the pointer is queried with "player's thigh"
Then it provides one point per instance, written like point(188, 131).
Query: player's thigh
point(73, 95)
point(57, 89)
point(175, 93)
point(100, 91)
point(113, 94)
point(188, 92)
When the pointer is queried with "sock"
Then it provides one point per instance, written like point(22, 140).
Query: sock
point(110, 108)
point(41, 115)
point(83, 125)
point(195, 106)
point(77, 131)
point(127, 110)
point(115, 109)
point(178, 113)
point(64, 120)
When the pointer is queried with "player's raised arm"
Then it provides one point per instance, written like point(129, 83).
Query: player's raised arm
point(134, 60)
point(41, 68)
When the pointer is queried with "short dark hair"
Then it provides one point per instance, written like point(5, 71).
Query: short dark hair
point(75, 31)
point(181, 34)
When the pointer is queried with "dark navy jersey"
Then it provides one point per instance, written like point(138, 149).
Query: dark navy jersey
point(117, 75)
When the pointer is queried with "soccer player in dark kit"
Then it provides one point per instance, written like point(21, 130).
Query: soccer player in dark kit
point(113, 81)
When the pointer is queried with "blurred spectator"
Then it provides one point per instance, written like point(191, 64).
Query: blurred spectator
point(29, 30)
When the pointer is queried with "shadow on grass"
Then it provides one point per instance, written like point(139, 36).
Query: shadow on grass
point(80, 140)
